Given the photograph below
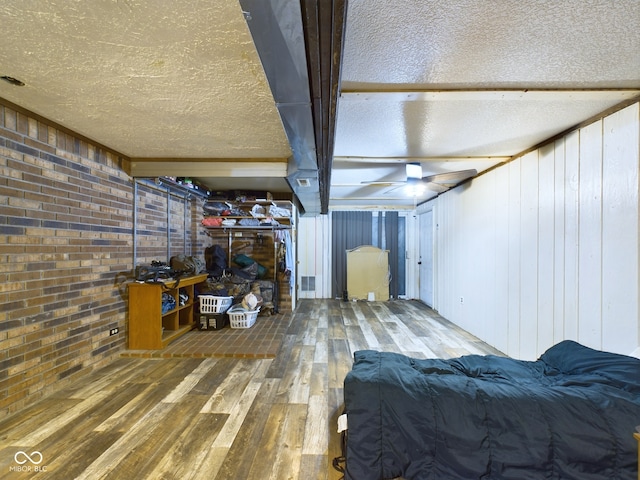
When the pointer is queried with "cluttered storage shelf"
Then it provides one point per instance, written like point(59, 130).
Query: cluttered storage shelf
point(256, 214)
point(260, 231)
point(250, 258)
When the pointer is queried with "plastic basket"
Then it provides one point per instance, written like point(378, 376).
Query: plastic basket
point(240, 318)
point(213, 304)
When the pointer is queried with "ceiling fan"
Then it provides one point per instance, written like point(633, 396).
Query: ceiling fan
point(438, 182)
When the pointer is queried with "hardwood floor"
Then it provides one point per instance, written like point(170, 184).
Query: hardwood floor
point(222, 418)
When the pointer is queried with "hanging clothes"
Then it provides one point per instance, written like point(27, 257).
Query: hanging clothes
point(286, 244)
point(288, 251)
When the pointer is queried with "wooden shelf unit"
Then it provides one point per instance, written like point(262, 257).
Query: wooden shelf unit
point(149, 328)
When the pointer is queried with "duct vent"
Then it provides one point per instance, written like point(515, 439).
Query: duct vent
point(303, 182)
point(308, 284)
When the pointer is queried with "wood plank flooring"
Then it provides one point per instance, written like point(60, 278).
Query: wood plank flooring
point(222, 418)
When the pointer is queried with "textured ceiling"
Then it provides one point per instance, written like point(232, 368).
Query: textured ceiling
point(491, 44)
point(149, 79)
point(449, 84)
point(468, 84)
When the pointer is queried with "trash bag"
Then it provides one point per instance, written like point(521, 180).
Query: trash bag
point(216, 260)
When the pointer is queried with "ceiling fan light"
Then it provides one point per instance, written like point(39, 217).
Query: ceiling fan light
point(414, 170)
point(414, 187)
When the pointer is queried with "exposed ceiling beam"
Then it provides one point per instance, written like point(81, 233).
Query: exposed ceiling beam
point(324, 26)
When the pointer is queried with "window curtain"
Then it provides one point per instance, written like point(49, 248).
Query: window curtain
point(349, 230)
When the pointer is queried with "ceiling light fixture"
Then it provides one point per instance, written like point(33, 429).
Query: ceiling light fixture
point(12, 81)
point(414, 187)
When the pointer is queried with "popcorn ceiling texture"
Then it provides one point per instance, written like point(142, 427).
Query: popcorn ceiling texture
point(464, 44)
point(107, 67)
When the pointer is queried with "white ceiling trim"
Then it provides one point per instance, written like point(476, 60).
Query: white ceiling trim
point(489, 95)
point(230, 169)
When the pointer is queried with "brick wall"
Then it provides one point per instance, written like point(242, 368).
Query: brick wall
point(164, 231)
point(66, 251)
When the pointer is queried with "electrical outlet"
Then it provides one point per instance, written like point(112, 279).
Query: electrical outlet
point(113, 331)
point(461, 299)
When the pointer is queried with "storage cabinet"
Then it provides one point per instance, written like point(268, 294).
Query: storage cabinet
point(368, 273)
point(149, 328)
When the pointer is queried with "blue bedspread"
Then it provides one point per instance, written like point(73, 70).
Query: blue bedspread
point(569, 415)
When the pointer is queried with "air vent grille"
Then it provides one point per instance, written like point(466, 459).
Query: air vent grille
point(308, 284)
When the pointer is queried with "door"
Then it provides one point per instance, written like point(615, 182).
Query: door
point(425, 259)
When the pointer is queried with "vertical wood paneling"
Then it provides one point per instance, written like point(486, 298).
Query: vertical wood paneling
point(483, 252)
point(590, 236)
point(440, 250)
point(307, 253)
point(472, 240)
point(444, 251)
point(620, 230)
point(529, 255)
point(456, 234)
point(546, 247)
point(313, 261)
point(514, 258)
point(571, 226)
point(501, 269)
point(447, 293)
point(559, 235)
point(489, 254)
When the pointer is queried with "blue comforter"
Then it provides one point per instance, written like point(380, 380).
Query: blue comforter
point(569, 415)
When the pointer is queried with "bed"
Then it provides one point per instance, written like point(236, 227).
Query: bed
point(570, 414)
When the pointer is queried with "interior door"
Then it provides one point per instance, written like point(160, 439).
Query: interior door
point(425, 259)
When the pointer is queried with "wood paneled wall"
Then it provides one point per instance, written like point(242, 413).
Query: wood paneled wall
point(545, 248)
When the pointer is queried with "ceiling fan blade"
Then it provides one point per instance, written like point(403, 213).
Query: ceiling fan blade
point(382, 184)
point(413, 173)
point(450, 178)
point(395, 188)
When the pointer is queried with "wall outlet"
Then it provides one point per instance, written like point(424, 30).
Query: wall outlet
point(461, 299)
point(113, 331)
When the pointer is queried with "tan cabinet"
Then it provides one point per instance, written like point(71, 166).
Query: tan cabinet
point(149, 328)
point(368, 273)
